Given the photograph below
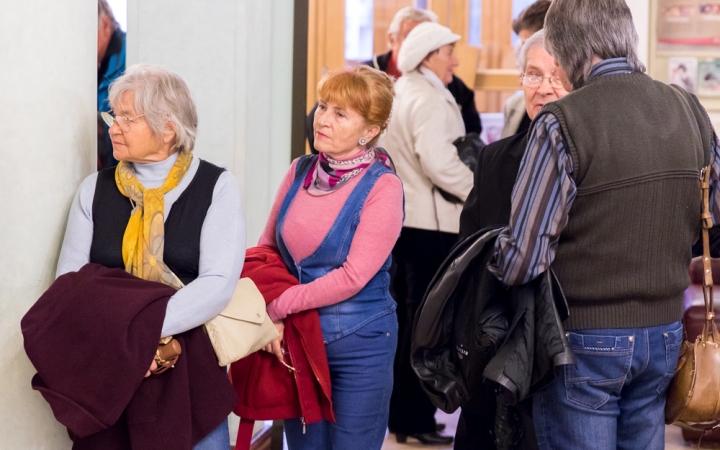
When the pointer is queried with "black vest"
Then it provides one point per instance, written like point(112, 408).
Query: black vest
point(111, 212)
point(489, 202)
point(637, 147)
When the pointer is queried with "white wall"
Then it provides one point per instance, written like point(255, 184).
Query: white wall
point(236, 55)
point(641, 16)
point(47, 146)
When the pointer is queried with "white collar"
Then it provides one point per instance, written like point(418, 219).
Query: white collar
point(437, 82)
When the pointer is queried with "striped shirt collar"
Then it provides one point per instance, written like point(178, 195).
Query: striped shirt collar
point(612, 66)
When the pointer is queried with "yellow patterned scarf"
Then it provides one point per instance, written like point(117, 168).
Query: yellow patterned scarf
point(144, 240)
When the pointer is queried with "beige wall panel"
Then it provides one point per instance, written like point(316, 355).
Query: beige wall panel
point(326, 42)
point(236, 56)
point(496, 51)
point(383, 12)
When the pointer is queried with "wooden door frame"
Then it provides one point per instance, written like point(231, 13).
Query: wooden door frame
point(299, 79)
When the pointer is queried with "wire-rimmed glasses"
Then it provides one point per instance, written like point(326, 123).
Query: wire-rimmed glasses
point(533, 80)
point(122, 121)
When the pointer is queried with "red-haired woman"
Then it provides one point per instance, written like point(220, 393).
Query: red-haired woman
point(335, 220)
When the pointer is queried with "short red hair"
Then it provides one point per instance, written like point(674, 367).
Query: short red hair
point(366, 90)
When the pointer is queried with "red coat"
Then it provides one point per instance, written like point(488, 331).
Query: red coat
point(266, 389)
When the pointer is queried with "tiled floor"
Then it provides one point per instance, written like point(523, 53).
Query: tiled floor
point(673, 437)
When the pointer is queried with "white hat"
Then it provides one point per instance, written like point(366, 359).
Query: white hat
point(421, 41)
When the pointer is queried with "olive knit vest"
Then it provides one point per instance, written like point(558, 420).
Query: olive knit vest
point(111, 212)
point(637, 147)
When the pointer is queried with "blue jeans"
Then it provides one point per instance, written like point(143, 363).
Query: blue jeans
point(218, 439)
point(615, 397)
point(361, 372)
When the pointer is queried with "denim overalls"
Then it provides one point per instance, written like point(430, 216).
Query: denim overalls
point(360, 333)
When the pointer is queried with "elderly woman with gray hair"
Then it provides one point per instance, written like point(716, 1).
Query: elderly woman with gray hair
point(425, 121)
point(608, 196)
point(163, 214)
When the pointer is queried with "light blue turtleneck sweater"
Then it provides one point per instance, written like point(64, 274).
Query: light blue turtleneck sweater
point(222, 243)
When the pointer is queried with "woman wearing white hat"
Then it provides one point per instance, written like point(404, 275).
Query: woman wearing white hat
point(425, 122)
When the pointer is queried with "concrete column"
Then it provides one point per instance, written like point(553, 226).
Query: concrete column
point(47, 146)
point(236, 55)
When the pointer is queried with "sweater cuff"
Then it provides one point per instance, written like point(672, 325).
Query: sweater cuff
point(274, 311)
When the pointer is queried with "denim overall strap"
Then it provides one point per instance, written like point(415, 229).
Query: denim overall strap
point(302, 167)
point(374, 299)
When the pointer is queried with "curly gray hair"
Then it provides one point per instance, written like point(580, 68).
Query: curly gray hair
point(162, 96)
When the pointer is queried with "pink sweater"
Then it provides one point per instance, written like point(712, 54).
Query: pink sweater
point(306, 225)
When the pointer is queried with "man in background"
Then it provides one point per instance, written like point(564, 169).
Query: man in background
point(488, 205)
point(528, 22)
point(111, 64)
point(402, 23)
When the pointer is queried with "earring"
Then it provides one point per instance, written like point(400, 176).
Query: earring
point(362, 141)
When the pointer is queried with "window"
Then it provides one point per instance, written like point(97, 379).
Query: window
point(518, 6)
point(358, 30)
point(119, 9)
point(475, 23)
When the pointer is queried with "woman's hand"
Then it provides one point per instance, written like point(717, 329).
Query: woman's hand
point(153, 366)
point(275, 346)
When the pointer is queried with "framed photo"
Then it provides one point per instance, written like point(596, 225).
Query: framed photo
point(709, 78)
point(683, 72)
point(688, 24)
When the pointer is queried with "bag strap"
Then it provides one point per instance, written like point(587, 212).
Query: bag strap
point(709, 329)
point(303, 164)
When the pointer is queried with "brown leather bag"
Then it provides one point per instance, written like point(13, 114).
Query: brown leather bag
point(166, 354)
point(693, 398)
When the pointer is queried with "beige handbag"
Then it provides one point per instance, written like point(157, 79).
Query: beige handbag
point(243, 327)
point(693, 398)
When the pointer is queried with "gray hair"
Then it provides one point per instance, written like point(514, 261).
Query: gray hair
point(104, 10)
point(576, 31)
point(410, 13)
point(536, 40)
point(162, 96)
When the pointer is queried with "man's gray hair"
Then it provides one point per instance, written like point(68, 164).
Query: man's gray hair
point(104, 10)
point(536, 40)
point(410, 13)
point(576, 31)
point(162, 96)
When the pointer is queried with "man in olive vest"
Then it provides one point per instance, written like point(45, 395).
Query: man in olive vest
point(608, 193)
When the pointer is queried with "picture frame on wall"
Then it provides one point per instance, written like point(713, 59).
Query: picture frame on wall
point(688, 24)
point(682, 71)
point(709, 77)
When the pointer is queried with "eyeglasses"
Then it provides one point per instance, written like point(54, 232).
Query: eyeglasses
point(534, 81)
point(122, 121)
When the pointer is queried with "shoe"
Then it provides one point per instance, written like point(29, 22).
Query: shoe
point(433, 438)
point(439, 427)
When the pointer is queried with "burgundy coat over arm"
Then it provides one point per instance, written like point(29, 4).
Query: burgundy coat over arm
point(92, 336)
